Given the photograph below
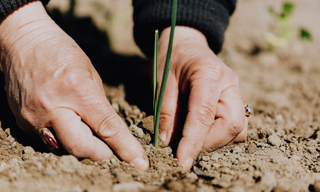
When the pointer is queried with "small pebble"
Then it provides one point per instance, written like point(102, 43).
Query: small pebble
point(10, 139)
point(175, 186)
point(3, 165)
point(147, 123)
point(14, 161)
point(312, 143)
point(39, 166)
point(129, 121)
point(205, 188)
point(295, 157)
point(13, 144)
point(28, 150)
point(215, 157)
point(223, 182)
point(51, 173)
point(205, 158)
point(236, 189)
point(128, 187)
point(268, 181)
point(68, 163)
point(225, 170)
point(252, 148)
point(156, 183)
point(192, 176)
point(116, 107)
point(237, 149)
point(216, 165)
point(279, 118)
point(114, 160)
point(137, 131)
point(136, 110)
point(49, 170)
point(265, 132)
point(274, 140)
point(7, 131)
point(13, 176)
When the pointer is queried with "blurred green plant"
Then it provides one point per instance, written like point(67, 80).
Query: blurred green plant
point(157, 99)
point(283, 30)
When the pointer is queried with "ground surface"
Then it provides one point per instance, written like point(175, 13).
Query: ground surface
point(282, 151)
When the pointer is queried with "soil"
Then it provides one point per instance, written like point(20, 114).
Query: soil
point(282, 150)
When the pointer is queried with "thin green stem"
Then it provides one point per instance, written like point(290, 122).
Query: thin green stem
point(155, 75)
point(166, 72)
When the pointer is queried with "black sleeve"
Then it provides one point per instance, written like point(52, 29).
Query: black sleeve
point(7, 6)
point(211, 17)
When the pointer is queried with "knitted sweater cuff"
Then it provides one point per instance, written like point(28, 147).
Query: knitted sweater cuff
point(7, 6)
point(211, 17)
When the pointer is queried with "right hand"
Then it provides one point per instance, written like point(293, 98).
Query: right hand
point(50, 82)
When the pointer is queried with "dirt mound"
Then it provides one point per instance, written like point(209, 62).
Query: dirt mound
point(281, 153)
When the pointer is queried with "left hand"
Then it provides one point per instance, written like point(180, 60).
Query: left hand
point(215, 111)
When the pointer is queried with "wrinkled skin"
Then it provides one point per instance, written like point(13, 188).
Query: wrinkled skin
point(215, 114)
point(50, 82)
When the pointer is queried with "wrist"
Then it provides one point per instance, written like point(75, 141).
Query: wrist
point(183, 35)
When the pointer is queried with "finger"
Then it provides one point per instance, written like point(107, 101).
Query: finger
point(242, 136)
point(202, 104)
point(231, 119)
point(101, 117)
point(169, 110)
point(76, 137)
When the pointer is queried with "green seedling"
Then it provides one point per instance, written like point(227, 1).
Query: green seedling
point(283, 31)
point(157, 99)
point(305, 34)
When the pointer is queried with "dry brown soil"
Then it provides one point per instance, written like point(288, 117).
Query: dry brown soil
point(281, 153)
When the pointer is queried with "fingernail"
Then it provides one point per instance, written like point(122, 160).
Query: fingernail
point(188, 163)
point(163, 136)
point(141, 163)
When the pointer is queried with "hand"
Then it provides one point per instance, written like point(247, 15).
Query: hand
point(50, 82)
point(214, 107)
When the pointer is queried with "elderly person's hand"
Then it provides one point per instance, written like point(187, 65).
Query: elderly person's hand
point(204, 91)
point(50, 82)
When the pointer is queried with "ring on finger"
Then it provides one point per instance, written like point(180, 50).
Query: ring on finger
point(48, 138)
point(248, 110)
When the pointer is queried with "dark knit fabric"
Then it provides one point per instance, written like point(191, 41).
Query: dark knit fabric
point(7, 6)
point(211, 17)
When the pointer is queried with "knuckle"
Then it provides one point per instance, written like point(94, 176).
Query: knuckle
point(208, 71)
point(25, 118)
point(166, 118)
point(79, 148)
point(205, 115)
point(73, 79)
point(196, 143)
point(107, 128)
point(241, 137)
point(24, 114)
point(215, 69)
point(235, 128)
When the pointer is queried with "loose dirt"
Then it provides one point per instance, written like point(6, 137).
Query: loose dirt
point(282, 150)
